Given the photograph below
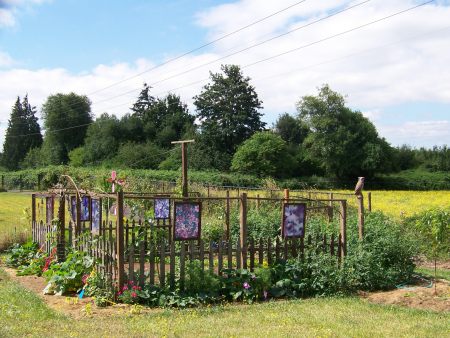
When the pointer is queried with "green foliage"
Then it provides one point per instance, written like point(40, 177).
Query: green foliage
point(290, 129)
point(345, 143)
point(33, 159)
point(61, 111)
point(68, 276)
point(21, 254)
point(263, 154)
point(98, 287)
point(433, 228)
point(138, 155)
point(23, 134)
point(102, 140)
point(228, 110)
point(199, 282)
point(76, 157)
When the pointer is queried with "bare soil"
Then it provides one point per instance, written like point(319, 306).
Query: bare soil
point(421, 294)
point(71, 305)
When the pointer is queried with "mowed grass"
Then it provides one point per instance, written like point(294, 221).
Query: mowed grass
point(22, 313)
point(15, 216)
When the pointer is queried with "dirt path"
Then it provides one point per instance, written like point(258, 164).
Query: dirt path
point(419, 296)
point(71, 305)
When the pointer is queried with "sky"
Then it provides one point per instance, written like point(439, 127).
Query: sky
point(391, 63)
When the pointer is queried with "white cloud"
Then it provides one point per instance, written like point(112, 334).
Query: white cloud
point(429, 133)
point(400, 60)
point(6, 60)
point(9, 10)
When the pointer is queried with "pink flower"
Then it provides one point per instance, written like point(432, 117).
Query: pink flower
point(246, 286)
point(135, 287)
point(125, 288)
point(134, 294)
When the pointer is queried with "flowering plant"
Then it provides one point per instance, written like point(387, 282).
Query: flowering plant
point(130, 293)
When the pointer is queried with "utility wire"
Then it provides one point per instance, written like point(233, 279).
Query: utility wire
point(292, 50)
point(237, 52)
point(241, 50)
point(200, 47)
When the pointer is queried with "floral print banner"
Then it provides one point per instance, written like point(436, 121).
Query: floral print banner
point(187, 221)
point(49, 203)
point(96, 211)
point(162, 208)
point(85, 208)
point(73, 208)
point(293, 220)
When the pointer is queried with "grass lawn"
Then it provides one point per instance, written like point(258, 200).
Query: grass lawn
point(22, 313)
point(15, 217)
point(429, 272)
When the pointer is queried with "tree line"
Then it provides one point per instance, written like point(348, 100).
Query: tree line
point(324, 137)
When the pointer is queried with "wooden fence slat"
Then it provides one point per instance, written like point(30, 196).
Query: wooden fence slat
point(269, 251)
point(238, 255)
point(261, 252)
point(152, 250)
point(172, 265)
point(332, 245)
point(182, 265)
point(131, 263)
point(211, 257)
point(220, 258)
point(202, 254)
point(277, 249)
point(324, 247)
point(142, 261)
point(162, 265)
point(252, 254)
point(230, 254)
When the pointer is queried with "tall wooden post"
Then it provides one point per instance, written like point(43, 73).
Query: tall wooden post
point(78, 216)
point(343, 227)
point(184, 175)
point(243, 230)
point(61, 234)
point(33, 215)
point(227, 217)
point(330, 207)
point(369, 201)
point(360, 200)
point(120, 241)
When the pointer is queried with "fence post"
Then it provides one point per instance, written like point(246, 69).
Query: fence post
point(330, 207)
point(343, 227)
point(78, 218)
point(33, 215)
point(286, 194)
point(60, 245)
point(369, 201)
point(227, 216)
point(120, 242)
point(360, 200)
point(243, 230)
point(3, 182)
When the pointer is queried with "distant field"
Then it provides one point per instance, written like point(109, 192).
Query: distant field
point(15, 215)
point(15, 208)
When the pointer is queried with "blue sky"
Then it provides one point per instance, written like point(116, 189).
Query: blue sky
point(395, 71)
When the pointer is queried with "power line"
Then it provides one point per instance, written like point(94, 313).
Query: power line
point(200, 47)
point(242, 50)
point(239, 51)
point(295, 49)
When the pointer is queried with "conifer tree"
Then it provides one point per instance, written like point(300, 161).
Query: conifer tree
point(23, 134)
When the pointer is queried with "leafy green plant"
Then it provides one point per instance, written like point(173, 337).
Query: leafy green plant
point(68, 276)
point(199, 282)
point(21, 254)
